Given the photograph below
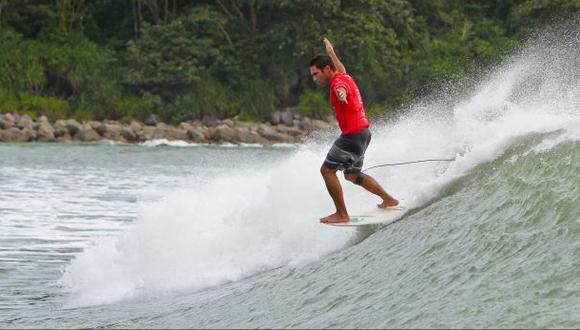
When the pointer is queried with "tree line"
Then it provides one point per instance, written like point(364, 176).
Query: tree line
point(182, 60)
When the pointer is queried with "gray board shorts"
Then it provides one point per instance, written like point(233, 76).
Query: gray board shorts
point(348, 152)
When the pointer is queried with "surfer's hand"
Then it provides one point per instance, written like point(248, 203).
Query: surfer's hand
point(328, 46)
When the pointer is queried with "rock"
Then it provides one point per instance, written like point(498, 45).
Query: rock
point(287, 117)
point(60, 132)
point(161, 131)
point(113, 132)
point(64, 138)
point(42, 120)
point(136, 126)
point(275, 117)
point(102, 129)
point(45, 132)
point(242, 124)
point(227, 130)
point(6, 122)
point(264, 129)
point(319, 124)
point(184, 125)
point(305, 124)
point(172, 133)
point(24, 122)
point(13, 134)
point(228, 122)
point(147, 133)
point(196, 122)
point(87, 134)
point(228, 134)
point(291, 139)
point(270, 134)
point(129, 135)
point(153, 120)
point(30, 133)
point(210, 121)
point(8, 117)
point(249, 136)
point(39, 122)
point(111, 122)
point(224, 133)
point(60, 123)
point(213, 134)
point(195, 134)
point(73, 127)
point(94, 124)
point(292, 131)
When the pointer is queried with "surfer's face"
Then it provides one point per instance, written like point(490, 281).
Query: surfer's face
point(321, 77)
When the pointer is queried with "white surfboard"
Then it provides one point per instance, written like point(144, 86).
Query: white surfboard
point(375, 216)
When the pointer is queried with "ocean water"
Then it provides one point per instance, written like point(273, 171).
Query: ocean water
point(171, 235)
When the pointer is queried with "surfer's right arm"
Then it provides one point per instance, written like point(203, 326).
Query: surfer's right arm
point(340, 92)
point(330, 50)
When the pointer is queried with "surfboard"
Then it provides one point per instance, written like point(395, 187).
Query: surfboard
point(375, 216)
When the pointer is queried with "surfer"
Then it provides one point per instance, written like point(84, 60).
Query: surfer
point(347, 152)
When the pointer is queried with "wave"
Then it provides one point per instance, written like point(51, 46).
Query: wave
point(524, 112)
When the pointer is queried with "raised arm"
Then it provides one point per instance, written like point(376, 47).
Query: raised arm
point(340, 92)
point(330, 50)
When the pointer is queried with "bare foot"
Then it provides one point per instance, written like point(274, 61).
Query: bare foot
point(388, 202)
point(335, 218)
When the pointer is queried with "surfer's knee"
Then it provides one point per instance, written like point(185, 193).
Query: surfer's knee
point(356, 178)
point(325, 170)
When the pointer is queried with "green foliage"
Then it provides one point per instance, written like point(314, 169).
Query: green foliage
point(36, 106)
point(206, 98)
point(134, 108)
point(313, 104)
point(172, 62)
point(530, 15)
point(30, 17)
point(20, 68)
point(125, 59)
point(32, 105)
point(165, 58)
point(9, 103)
point(257, 100)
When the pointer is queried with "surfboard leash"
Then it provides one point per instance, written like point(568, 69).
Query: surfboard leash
point(410, 162)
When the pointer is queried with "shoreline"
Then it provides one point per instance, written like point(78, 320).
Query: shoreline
point(283, 127)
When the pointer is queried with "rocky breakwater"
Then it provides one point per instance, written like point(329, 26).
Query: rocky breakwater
point(284, 126)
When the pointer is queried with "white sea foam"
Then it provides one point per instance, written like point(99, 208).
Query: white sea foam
point(231, 227)
point(179, 143)
point(174, 143)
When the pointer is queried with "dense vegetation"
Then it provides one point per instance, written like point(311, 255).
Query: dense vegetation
point(181, 59)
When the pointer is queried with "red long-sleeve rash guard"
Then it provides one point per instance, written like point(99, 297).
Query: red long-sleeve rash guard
point(350, 115)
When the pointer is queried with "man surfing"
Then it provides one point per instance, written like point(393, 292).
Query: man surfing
point(347, 152)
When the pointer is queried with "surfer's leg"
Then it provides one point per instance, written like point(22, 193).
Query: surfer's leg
point(335, 190)
point(371, 185)
point(354, 172)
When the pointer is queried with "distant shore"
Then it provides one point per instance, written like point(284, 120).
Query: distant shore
point(283, 126)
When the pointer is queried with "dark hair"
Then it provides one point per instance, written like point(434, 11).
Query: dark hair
point(321, 61)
